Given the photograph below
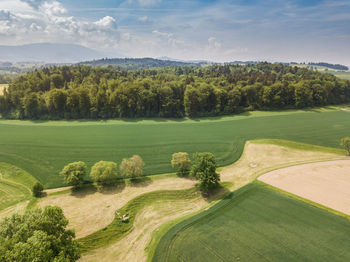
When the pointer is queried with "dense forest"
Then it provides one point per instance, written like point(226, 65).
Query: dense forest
point(73, 92)
point(138, 63)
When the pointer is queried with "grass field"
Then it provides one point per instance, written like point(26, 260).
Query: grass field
point(257, 223)
point(15, 185)
point(42, 149)
point(345, 74)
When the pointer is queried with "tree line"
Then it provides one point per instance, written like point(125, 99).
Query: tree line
point(76, 92)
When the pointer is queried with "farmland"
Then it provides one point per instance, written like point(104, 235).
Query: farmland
point(43, 148)
point(257, 223)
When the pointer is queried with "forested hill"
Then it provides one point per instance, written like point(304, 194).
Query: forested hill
point(108, 92)
point(137, 63)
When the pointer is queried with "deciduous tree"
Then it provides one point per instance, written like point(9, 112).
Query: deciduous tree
point(74, 173)
point(182, 161)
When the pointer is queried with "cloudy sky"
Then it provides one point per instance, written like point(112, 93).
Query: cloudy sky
point(222, 30)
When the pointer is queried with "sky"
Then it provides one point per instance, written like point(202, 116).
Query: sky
point(222, 30)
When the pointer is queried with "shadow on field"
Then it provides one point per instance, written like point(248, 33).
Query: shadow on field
point(140, 181)
point(218, 193)
point(113, 189)
point(84, 191)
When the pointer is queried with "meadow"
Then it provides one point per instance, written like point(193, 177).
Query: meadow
point(43, 148)
point(257, 223)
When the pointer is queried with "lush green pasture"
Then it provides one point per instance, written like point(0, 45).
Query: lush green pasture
point(42, 149)
point(15, 185)
point(258, 223)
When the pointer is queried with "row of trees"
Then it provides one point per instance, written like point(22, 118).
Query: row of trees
point(103, 173)
point(106, 92)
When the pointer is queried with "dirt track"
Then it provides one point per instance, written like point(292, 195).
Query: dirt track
point(326, 183)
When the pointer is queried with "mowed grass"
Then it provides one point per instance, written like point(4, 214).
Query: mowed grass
point(15, 185)
point(42, 149)
point(257, 223)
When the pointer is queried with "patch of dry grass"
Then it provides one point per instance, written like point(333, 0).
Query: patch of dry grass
point(2, 88)
point(89, 210)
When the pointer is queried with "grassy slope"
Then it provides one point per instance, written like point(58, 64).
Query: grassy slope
point(15, 185)
point(43, 149)
point(257, 223)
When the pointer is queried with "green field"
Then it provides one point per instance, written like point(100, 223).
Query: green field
point(258, 223)
point(42, 149)
point(15, 185)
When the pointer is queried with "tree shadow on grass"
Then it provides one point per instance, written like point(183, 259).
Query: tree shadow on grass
point(84, 191)
point(115, 188)
point(140, 181)
point(217, 193)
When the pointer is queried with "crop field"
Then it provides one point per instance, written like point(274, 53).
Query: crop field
point(257, 223)
point(43, 148)
point(15, 185)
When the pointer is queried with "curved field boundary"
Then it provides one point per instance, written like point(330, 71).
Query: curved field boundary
point(267, 244)
point(15, 186)
point(125, 217)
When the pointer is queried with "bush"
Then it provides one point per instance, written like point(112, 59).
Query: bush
point(37, 189)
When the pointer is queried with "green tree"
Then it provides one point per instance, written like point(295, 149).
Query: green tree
point(37, 189)
point(74, 173)
point(204, 170)
point(132, 166)
point(345, 142)
point(182, 161)
point(104, 173)
point(37, 235)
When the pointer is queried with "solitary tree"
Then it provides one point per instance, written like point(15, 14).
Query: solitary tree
point(104, 173)
point(74, 173)
point(204, 170)
point(132, 166)
point(182, 161)
point(37, 189)
point(37, 235)
point(345, 142)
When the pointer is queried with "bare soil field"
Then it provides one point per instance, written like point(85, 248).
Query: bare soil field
point(89, 210)
point(326, 183)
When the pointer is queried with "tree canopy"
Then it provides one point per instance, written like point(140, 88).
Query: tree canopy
point(182, 161)
point(104, 173)
point(204, 170)
point(74, 173)
point(37, 235)
point(132, 166)
point(72, 92)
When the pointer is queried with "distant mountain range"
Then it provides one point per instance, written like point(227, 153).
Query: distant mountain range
point(48, 53)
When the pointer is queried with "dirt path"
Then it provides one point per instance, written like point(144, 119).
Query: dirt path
point(326, 183)
point(89, 211)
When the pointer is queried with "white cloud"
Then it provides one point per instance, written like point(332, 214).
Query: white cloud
point(144, 19)
point(213, 44)
point(49, 22)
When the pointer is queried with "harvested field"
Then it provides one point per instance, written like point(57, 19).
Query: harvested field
point(97, 209)
point(132, 247)
point(326, 183)
point(261, 156)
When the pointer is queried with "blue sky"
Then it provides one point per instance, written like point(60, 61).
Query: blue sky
point(223, 30)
